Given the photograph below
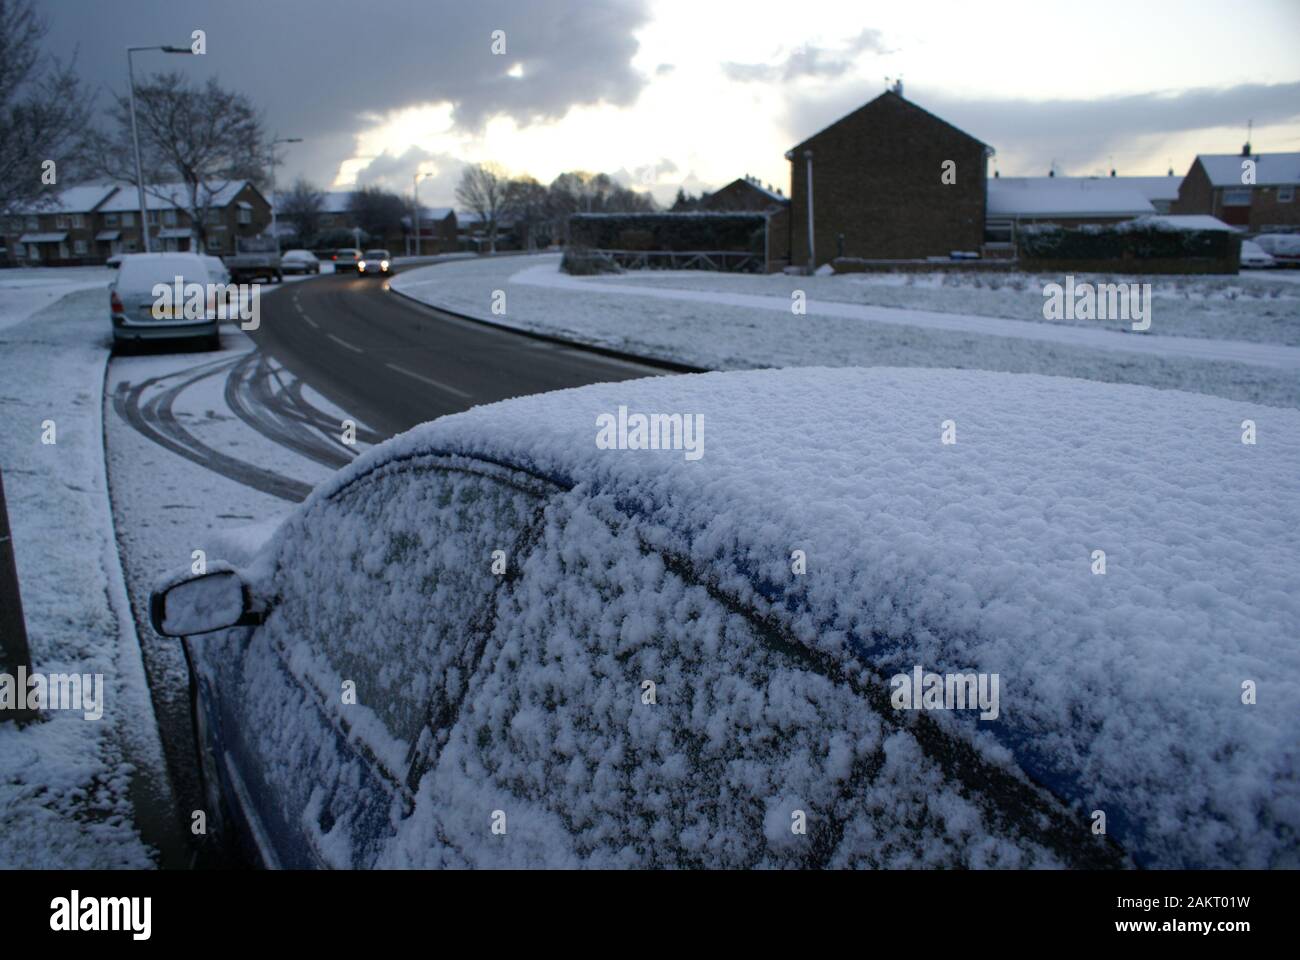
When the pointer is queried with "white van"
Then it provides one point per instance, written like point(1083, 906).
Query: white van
point(139, 314)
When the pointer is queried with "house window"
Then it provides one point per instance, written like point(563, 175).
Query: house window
point(1236, 198)
point(169, 218)
point(128, 219)
point(130, 246)
point(212, 216)
point(33, 223)
point(110, 219)
point(77, 221)
point(80, 247)
point(61, 222)
point(214, 244)
point(1285, 194)
point(245, 215)
point(20, 250)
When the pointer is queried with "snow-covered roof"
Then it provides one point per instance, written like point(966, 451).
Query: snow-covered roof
point(177, 197)
point(82, 198)
point(1189, 221)
point(1120, 692)
point(1224, 169)
point(1065, 197)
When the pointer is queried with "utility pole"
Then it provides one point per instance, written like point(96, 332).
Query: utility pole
point(812, 249)
point(135, 133)
point(275, 231)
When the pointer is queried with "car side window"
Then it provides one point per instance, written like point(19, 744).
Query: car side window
point(381, 592)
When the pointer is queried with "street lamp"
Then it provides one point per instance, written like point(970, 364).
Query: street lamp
point(415, 180)
point(135, 135)
point(275, 232)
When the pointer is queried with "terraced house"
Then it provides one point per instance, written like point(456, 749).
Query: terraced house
point(1256, 191)
point(87, 224)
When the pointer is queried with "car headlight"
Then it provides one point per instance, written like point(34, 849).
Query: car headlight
point(383, 264)
point(361, 265)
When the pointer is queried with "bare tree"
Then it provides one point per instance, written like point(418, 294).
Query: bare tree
point(44, 112)
point(525, 204)
point(482, 189)
point(378, 212)
point(202, 137)
point(302, 207)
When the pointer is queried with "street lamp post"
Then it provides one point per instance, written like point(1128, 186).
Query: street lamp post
point(135, 134)
point(415, 189)
point(275, 231)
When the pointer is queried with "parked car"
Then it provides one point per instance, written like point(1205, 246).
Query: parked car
point(1254, 257)
point(255, 258)
point(299, 261)
point(139, 314)
point(114, 261)
point(376, 263)
point(1282, 247)
point(346, 258)
point(492, 642)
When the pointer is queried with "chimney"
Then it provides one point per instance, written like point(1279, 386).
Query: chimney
point(1245, 149)
point(1171, 171)
point(1051, 172)
point(995, 174)
point(1112, 171)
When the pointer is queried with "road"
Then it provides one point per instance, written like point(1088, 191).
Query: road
point(394, 364)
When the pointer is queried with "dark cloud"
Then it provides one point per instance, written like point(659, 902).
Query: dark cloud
point(396, 173)
point(1079, 134)
point(319, 67)
point(809, 60)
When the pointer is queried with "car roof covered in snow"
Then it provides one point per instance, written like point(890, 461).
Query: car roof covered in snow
point(1122, 690)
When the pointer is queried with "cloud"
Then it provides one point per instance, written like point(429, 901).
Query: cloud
point(809, 60)
point(1079, 134)
point(319, 68)
point(396, 173)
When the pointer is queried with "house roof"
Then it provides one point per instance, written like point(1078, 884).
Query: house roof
point(1224, 169)
point(872, 102)
point(126, 199)
point(1065, 197)
point(78, 199)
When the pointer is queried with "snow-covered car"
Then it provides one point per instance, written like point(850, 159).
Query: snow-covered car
point(299, 261)
point(138, 313)
point(1254, 256)
point(1026, 621)
point(1282, 247)
point(114, 261)
point(346, 258)
point(376, 263)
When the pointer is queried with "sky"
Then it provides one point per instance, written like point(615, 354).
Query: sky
point(669, 94)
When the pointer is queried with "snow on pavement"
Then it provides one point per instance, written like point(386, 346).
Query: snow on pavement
point(67, 783)
point(26, 290)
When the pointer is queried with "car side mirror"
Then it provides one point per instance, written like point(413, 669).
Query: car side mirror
point(213, 601)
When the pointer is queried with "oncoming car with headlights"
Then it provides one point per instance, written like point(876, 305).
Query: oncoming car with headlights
point(376, 263)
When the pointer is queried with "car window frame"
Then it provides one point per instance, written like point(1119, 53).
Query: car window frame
point(403, 784)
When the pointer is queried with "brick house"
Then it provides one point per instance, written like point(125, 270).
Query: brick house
point(96, 221)
point(877, 188)
point(748, 194)
point(1214, 186)
point(438, 232)
point(62, 232)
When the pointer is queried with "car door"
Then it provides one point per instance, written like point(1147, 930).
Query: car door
point(377, 620)
point(630, 713)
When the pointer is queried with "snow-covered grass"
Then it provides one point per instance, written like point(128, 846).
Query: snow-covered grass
point(25, 290)
point(67, 783)
point(727, 321)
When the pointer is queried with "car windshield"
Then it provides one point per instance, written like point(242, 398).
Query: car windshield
point(376, 254)
point(349, 252)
